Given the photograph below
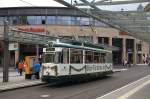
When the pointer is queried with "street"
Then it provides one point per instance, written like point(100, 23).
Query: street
point(85, 90)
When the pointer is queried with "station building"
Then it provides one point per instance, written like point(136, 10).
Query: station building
point(70, 23)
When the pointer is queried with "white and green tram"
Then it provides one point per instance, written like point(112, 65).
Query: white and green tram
point(73, 61)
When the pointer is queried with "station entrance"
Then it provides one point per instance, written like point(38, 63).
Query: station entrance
point(117, 55)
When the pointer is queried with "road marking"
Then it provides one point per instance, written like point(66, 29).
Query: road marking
point(44, 96)
point(125, 96)
point(130, 84)
point(119, 70)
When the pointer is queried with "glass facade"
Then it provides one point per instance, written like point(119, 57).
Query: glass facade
point(52, 20)
point(35, 20)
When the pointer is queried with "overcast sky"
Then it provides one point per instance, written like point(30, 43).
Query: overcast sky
point(26, 3)
point(19, 3)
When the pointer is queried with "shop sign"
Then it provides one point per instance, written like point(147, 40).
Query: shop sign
point(13, 46)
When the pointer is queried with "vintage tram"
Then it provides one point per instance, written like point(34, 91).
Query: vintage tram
point(75, 61)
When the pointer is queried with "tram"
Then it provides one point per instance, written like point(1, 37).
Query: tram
point(75, 61)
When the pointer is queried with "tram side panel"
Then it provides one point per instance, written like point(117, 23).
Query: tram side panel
point(75, 69)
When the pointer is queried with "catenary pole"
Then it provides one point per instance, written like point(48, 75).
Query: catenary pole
point(5, 52)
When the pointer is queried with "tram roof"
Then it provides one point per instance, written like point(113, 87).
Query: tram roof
point(90, 44)
point(78, 45)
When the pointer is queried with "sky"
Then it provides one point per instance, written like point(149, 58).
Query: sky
point(51, 3)
point(20, 3)
point(126, 7)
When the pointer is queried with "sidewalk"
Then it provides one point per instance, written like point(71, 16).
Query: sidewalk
point(16, 81)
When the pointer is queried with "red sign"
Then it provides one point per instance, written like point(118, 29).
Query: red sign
point(32, 29)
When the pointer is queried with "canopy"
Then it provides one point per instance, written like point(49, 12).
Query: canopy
point(134, 23)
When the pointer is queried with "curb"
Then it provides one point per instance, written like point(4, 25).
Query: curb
point(20, 85)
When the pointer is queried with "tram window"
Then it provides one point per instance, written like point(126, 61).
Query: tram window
point(63, 57)
point(76, 56)
point(88, 57)
point(49, 58)
point(96, 57)
point(103, 57)
point(59, 57)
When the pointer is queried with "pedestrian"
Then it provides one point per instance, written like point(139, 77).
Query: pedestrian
point(148, 60)
point(125, 62)
point(37, 67)
point(20, 67)
point(17, 66)
point(128, 63)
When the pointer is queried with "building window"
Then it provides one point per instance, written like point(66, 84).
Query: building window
point(85, 21)
point(130, 45)
point(31, 20)
point(103, 40)
point(98, 23)
point(51, 20)
point(62, 20)
point(75, 20)
point(35, 20)
point(43, 20)
point(139, 47)
point(15, 20)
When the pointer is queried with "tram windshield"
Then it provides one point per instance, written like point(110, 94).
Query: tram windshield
point(49, 58)
point(56, 56)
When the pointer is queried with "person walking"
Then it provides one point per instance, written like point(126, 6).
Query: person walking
point(20, 67)
point(125, 62)
point(17, 66)
point(37, 67)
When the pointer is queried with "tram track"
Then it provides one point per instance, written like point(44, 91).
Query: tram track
point(80, 90)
